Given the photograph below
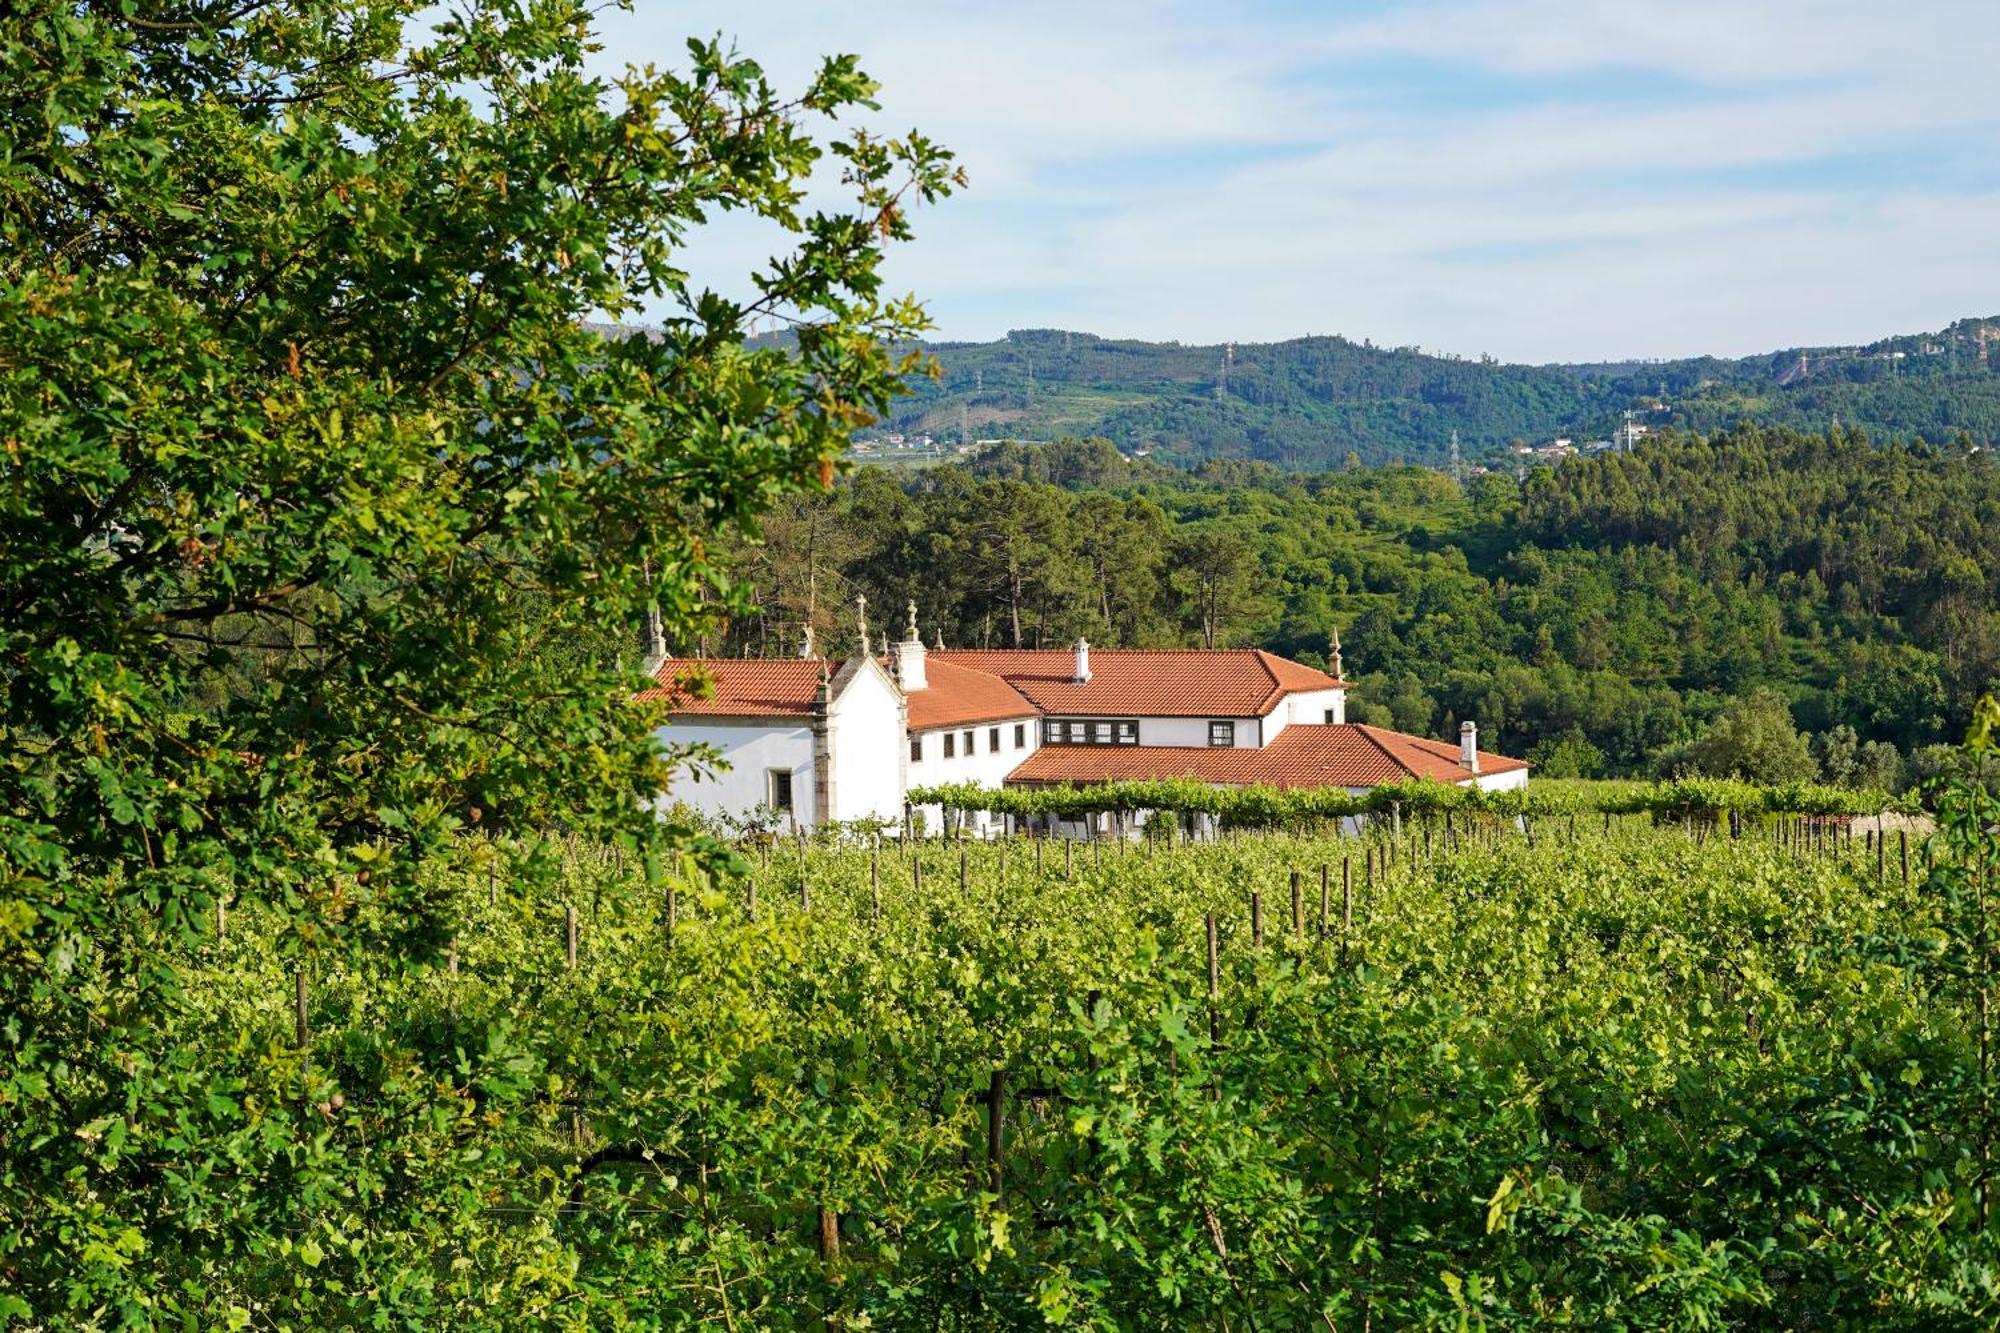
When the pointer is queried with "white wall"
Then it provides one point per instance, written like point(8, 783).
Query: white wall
point(983, 766)
point(1511, 780)
point(865, 746)
point(1307, 707)
point(749, 747)
point(1194, 731)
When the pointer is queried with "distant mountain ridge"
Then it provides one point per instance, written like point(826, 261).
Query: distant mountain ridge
point(1308, 402)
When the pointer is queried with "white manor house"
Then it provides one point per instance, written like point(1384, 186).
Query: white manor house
point(804, 741)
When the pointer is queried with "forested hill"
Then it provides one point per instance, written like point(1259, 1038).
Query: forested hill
point(1608, 617)
point(1307, 403)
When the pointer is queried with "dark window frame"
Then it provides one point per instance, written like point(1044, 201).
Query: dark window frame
point(916, 749)
point(779, 790)
point(993, 740)
point(1020, 734)
point(1225, 727)
point(950, 746)
point(1084, 731)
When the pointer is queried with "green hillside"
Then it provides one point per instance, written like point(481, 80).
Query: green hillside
point(1307, 403)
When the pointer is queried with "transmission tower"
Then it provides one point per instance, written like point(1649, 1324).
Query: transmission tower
point(1222, 381)
point(1457, 472)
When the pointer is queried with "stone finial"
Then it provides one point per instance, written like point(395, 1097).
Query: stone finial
point(1333, 655)
point(911, 634)
point(861, 618)
point(806, 648)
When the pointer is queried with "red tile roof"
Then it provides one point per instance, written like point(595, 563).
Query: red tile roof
point(743, 687)
point(1303, 755)
point(1144, 682)
point(956, 696)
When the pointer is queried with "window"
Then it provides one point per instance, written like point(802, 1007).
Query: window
point(993, 740)
point(1329, 717)
point(970, 748)
point(1222, 733)
point(916, 749)
point(950, 745)
point(1020, 734)
point(778, 784)
point(1089, 731)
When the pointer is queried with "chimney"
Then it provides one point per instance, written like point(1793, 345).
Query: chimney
point(910, 657)
point(1468, 746)
point(1082, 676)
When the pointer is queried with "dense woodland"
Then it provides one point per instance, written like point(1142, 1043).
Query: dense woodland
point(1306, 403)
point(1765, 603)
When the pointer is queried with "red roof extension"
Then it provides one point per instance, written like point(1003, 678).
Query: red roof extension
point(1303, 755)
point(743, 686)
point(955, 696)
point(1144, 682)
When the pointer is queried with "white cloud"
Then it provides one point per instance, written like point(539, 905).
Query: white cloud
point(1774, 173)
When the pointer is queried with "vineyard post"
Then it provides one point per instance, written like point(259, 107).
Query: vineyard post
point(996, 1112)
point(1039, 844)
point(750, 898)
point(673, 913)
point(1003, 858)
point(492, 885)
point(1881, 855)
point(1256, 918)
point(964, 868)
point(917, 870)
point(569, 933)
point(1346, 906)
point(1325, 899)
point(875, 887)
point(829, 1236)
point(1903, 850)
point(1298, 906)
point(300, 1030)
point(1396, 820)
point(1069, 858)
point(1214, 999)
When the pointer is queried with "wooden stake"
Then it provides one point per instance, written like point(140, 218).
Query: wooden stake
point(1257, 918)
point(299, 1029)
point(750, 898)
point(1346, 906)
point(829, 1235)
point(1298, 906)
point(996, 1125)
point(964, 873)
point(569, 930)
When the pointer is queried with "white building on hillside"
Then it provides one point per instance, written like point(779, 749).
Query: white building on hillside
point(805, 743)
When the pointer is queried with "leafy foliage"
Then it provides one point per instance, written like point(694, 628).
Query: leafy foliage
point(322, 515)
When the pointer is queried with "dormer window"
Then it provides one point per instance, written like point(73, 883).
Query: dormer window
point(1222, 731)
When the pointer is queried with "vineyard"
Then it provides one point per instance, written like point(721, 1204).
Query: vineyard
point(1604, 1070)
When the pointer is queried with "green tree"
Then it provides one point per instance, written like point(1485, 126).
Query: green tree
point(311, 466)
point(1753, 738)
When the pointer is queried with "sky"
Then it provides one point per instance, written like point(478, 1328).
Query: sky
point(1535, 180)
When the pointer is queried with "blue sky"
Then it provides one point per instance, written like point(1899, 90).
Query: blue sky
point(1531, 179)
